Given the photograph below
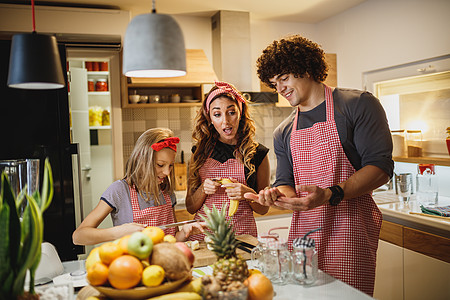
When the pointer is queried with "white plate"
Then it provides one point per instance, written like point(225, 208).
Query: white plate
point(78, 279)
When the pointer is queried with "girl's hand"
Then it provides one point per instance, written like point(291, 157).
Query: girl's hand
point(129, 228)
point(210, 186)
point(236, 190)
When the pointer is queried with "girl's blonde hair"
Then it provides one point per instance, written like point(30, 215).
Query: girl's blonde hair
point(205, 137)
point(140, 170)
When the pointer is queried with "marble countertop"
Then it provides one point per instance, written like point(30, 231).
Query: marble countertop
point(404, 213)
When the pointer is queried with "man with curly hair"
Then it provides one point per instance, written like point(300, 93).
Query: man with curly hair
point(332, 152)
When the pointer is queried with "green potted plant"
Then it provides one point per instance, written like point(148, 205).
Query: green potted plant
point(21, 236)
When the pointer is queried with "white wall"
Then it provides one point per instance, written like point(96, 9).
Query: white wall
point(384, 33)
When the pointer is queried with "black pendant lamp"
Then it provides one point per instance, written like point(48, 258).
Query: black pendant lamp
point(34, 61)
point(154, 47)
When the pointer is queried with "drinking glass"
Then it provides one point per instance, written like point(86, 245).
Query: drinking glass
point(403, 184)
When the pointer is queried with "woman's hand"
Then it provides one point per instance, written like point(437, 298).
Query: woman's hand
point(190, 229)
point(236, 190)
point(210, 186)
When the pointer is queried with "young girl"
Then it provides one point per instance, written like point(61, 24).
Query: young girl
point(144, 197)
point(225, 148)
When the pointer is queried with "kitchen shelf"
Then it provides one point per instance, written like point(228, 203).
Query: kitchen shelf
point(99, 127)
point(159, 105)
point(440, 161)
point(106, 73)
point(98, 93)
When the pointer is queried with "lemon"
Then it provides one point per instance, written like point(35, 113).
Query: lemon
point(170, 238)
point(153, 275)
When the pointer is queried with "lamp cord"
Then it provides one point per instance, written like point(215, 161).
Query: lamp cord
point(153, 8)
point(32, 12)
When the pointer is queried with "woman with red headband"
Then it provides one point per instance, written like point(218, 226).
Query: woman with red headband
point(224, 147)
point(144, 197)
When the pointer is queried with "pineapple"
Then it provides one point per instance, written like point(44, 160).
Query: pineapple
point(229, 266)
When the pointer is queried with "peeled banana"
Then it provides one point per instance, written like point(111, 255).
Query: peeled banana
point(234, 204)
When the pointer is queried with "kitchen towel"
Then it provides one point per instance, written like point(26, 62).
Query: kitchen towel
point(443, 211)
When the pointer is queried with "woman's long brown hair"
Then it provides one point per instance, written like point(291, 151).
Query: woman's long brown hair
point(205, 137)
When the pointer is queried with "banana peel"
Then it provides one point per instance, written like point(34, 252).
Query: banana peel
point(234, 204)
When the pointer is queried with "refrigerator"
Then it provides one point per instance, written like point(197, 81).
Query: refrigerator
point(34, 124)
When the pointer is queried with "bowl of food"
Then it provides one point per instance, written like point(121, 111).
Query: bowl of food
point(134, 98)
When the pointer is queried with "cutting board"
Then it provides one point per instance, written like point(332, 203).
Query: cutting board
point(205, 257)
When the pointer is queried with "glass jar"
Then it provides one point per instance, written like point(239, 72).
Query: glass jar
point(427, 185)
point(258, 253)
point(101, 85)
point(278, 262)
point(399, 142)
point(414, 142)
point(103, 66)
point(304, 260)
point(91, 86)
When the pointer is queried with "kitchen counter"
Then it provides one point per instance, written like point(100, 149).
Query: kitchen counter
point(401, 213)
point(326, 287)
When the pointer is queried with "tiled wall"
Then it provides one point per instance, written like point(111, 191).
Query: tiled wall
point(180, 120)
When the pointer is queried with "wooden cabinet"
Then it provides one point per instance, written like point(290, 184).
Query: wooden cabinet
point(191, 88)
point(331, 80)
point(411, 264)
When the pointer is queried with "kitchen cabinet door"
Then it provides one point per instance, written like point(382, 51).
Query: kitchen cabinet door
point(425, 277)
point(389, 272)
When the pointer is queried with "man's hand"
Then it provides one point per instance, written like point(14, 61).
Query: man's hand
point(266, 197)
point(315, 197)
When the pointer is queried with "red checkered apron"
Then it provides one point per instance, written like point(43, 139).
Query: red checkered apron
point(243, 220)
point(347, 244)
point(153, 216)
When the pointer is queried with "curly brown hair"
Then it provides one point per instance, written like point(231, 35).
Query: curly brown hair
point(292, 55)
point(205, 137)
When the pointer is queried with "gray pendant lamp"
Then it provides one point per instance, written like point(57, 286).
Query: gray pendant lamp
point(154, 47)
point(34, 61)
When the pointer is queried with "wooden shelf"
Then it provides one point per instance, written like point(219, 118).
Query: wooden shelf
point(98, 93)
point(441, 160)
point(159, 105)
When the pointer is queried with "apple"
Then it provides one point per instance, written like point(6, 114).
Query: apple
point(186, 251)
point(140, 245)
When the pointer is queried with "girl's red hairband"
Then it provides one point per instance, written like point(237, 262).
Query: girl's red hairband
point(167, 143)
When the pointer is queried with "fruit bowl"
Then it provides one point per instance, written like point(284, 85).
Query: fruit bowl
point(140, 292)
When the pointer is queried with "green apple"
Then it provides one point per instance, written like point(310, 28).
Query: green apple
point(140, 245)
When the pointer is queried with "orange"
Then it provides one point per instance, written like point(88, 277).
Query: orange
point(97, 274)
point(259, 287)
point(123, 243)
point(125, 272)
point(109, 251)
point(93, 257)
point(155, 233)
point(254, 271)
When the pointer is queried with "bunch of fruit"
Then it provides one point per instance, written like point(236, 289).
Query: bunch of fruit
point(147, 258)
point(230, 271)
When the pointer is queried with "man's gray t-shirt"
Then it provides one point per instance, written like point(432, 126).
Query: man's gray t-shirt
point(117, 196)
point(362, 127)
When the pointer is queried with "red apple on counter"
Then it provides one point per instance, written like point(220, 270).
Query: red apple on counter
point(187, 251)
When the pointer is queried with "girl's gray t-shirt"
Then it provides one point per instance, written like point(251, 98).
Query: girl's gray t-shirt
point(117, 196)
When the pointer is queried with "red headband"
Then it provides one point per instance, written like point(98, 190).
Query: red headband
point(167, 143)
point(224, 88)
